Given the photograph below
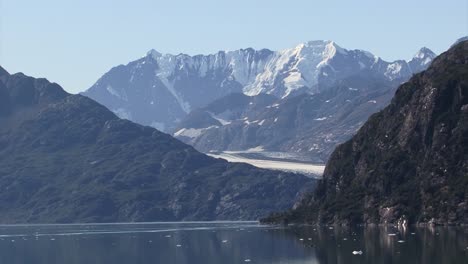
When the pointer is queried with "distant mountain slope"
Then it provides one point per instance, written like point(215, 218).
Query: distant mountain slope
point(65, 158)
point(408, 162)
point(161, 89)
point(307, 125)
point(223, 111)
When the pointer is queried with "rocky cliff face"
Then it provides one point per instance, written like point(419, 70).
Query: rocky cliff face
point(408, 162)
point(65, 158)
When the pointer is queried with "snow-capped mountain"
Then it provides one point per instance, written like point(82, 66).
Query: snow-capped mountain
point(161, 89)
point(421, 60)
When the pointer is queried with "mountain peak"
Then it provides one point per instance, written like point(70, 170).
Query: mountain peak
point(317, 42)
point(153, 53)
point(320, 44)
point(3, 72)
point(336, 47)
point(324, 48)
point(424, 53)
point(421, 59)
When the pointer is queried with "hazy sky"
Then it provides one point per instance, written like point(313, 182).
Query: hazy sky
point(74, 42)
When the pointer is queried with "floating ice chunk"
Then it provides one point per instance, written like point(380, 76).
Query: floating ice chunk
point(401, 241)
point(167, 236)
point(301, 239)
point(178, 245)
point(247, 260)
point(224, 241)
point(357, 252)
point(413, 233)
point(345, 239)
point(391, 234)
point(52, 239)
point(309, 239)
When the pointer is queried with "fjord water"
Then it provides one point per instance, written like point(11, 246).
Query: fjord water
point(228, 242)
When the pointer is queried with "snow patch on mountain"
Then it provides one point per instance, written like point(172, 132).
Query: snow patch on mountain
point(302, 66)
point(191, 132)
point(220, 120)
point(158, 125)
point(321, 118)
point(167, 64)
point(123, 113)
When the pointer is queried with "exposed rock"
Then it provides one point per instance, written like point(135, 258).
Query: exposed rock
point(409, 161)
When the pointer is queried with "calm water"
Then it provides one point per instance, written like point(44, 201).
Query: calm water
point(221, 243)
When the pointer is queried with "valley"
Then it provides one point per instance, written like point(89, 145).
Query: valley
point(228, 132)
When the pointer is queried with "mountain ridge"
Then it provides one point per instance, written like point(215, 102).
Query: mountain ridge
point(65, 158)
point(161, 89)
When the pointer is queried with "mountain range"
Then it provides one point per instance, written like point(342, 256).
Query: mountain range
point(65, 158)
point(160, 90)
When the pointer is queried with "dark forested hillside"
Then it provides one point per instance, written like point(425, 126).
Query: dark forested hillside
point(409, 161)
point(65, 158)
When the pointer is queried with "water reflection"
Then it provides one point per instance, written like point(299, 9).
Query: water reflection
point(229, 243)
point(387, 244)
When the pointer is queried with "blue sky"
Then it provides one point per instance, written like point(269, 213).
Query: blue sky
point(74, 42)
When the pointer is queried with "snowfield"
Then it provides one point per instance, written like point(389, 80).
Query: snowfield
point(308, 169)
